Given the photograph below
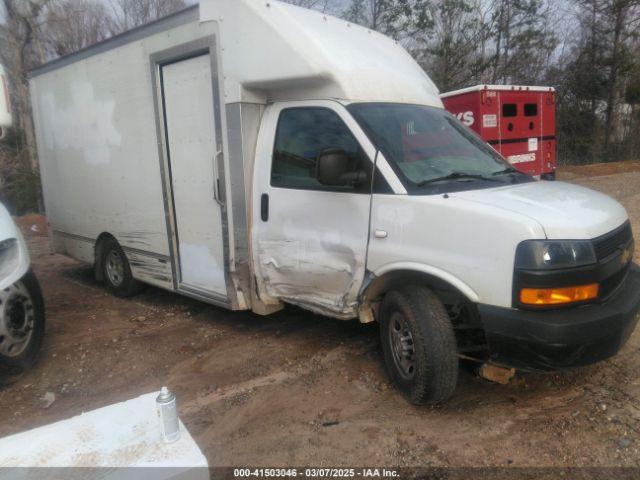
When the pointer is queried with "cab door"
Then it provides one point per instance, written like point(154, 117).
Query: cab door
point(309, 240)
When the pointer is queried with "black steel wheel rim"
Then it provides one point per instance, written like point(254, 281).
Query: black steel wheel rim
point(402, 346)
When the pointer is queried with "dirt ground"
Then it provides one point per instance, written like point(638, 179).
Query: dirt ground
point(300, 389)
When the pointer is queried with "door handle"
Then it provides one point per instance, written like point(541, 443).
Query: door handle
point(216, 180)
point(264, 207)
point(380, 234)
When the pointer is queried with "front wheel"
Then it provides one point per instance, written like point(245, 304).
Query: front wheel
point(419, 345)
point(22, 322)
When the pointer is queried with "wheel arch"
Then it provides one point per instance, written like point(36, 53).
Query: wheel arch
point(398, 275)
point(98, 271)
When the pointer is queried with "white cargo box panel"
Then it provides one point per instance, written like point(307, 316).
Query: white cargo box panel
point(120, 440)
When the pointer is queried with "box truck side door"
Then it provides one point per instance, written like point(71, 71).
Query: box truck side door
point(187, 98)
point(309, 239)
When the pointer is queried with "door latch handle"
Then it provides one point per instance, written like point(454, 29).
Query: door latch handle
point(264, 207)
point(380, 234)
point(216, 180)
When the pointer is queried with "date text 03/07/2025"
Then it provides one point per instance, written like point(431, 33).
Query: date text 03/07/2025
point(316, 472)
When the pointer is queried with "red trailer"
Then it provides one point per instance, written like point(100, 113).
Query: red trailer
point(518, 121)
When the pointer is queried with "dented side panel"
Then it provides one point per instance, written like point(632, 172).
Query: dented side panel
point(314, 252)
point(311, 250)
point(150, 269)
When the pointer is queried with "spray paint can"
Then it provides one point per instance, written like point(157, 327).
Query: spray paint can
point(168, 415)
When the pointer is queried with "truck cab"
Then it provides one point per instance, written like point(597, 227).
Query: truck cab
point(398, 213)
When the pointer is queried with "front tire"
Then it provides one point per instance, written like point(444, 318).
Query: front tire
point(117, 272)
point(22, 321)
point(419, 345)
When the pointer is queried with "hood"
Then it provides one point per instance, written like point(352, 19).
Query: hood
point(564, 210)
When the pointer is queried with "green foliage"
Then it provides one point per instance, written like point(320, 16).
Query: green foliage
point(399, 19)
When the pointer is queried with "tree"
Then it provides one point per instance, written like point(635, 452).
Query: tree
point(74, 24)
point(523, 41)
point(23, 49)
point(596, 119)
point(581, 78)
point(622, 20)
point(320, 5)
point(399, 19)
point(450, 54)
point(35, 31)
point(127, 14)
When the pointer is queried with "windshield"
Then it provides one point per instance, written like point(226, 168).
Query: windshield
point(431, 151)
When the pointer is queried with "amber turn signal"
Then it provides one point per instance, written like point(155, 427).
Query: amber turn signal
point(557, 296)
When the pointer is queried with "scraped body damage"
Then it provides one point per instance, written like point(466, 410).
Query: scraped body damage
point(312, 252)
point(321, 276)
point(156, 271)
point(311, 248)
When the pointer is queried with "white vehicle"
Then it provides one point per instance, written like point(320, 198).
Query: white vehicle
point(250, 153)
point(21, 304)
point(5, 104)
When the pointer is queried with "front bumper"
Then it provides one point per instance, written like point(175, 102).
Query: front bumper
point(551, 340)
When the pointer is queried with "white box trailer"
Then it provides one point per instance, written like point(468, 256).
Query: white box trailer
point(6, 120)
point(250, 153)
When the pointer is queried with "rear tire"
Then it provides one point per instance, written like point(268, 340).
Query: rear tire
point(419, 345)
point(22, 321)
point(116, 271)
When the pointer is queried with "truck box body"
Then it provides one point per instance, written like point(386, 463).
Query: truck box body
point(518, 121)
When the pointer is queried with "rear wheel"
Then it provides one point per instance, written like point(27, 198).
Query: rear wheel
point(419, 345)
point(22, 322)
point(117, 272)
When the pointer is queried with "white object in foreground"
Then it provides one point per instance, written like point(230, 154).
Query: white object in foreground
point(118, 436)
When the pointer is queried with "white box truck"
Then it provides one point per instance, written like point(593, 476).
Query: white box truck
point(249, 153)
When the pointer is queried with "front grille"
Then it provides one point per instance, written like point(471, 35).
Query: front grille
point(608, 286)
point(612, 242)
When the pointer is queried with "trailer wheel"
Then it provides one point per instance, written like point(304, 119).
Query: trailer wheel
point(117, 272)
point(22, 322)
point(419, 345)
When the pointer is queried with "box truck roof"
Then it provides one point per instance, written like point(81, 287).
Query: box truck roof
point(288, 51)
point(5, 105)
point(270, 50)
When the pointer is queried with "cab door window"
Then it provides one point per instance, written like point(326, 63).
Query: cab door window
point(302, 135)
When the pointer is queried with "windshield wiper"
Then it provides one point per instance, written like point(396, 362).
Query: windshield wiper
point(455, 176)
point(505, 172)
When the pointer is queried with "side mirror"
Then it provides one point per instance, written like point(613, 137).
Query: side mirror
point(334, 168)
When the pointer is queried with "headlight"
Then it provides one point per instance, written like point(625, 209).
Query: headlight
point(9, 256)
point(550, 254)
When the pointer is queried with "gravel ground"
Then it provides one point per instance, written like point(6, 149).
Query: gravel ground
point(299, 389)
